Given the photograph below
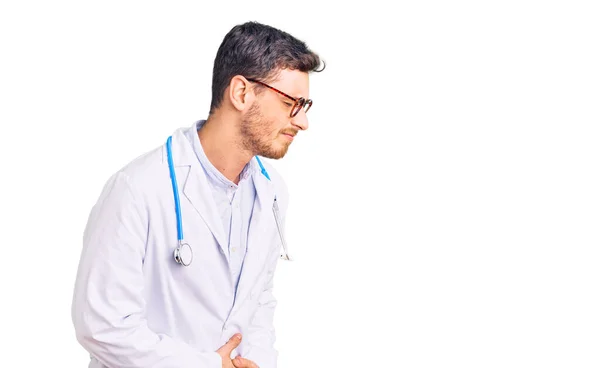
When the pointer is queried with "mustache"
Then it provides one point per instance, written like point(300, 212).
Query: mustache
point(291, 132)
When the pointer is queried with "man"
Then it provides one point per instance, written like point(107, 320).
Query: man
point(143, 299)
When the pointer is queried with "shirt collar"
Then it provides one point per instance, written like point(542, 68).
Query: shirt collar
point(215, 175)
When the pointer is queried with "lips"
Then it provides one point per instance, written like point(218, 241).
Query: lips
point(291, 134)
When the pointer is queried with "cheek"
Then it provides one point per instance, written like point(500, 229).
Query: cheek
point(271, 126)
point(268, 123)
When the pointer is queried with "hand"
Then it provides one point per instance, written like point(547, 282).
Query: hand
point(225, 350)
point(240, 362)
point(225, 353)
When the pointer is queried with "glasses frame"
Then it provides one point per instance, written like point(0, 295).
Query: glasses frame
point(299, 103)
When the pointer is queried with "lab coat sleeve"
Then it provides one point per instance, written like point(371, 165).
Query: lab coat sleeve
point(262, 331)
point(261, 337)
point(108, 309)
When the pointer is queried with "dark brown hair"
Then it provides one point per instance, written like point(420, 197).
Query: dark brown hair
point(258, 51)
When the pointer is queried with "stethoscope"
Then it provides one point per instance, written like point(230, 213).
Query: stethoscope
point(183, 253)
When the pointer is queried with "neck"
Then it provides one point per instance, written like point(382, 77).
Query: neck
point(221, 143)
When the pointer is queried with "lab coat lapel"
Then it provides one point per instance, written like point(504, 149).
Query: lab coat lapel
point(258, 244)
point(197, 190)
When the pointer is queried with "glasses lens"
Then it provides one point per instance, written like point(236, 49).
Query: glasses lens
point(298, 106)
point(307, 105)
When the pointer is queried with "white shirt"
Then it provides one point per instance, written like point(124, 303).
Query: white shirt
point(234, 204)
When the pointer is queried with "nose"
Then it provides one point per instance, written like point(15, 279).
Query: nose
point(300, 121)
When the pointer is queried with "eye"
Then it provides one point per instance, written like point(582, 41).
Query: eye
point(287, 104)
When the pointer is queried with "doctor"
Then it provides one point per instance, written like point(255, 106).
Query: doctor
point(180, 250)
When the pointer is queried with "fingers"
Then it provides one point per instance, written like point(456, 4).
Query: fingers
point(240, 362)
point(233, 342)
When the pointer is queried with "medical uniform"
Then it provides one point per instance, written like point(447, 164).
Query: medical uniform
point(134, 306)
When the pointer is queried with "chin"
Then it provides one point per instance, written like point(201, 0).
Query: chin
point(275, 153)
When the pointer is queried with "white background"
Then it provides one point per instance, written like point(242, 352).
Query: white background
point(445, 201)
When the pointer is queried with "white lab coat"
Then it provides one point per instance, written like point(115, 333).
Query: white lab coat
point(134, 306)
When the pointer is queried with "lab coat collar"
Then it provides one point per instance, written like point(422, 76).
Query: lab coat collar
point(192, 181)
point(192, 178)
point(259, 238)
point(265, 188)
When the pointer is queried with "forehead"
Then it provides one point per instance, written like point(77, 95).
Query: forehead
point(292, 82)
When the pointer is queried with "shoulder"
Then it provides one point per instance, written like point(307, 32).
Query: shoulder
point(145, 166)
point(140, 174)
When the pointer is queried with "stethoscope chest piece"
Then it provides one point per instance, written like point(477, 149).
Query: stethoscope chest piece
point(183, 254)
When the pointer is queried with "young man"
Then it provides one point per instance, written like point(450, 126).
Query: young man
point(180, 250)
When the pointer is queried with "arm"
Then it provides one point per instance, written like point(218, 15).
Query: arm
point(261, 335)
point(108, 309)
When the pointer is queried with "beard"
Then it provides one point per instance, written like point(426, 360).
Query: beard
point(256, 132)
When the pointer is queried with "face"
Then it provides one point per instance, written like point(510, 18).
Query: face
point(267, 128)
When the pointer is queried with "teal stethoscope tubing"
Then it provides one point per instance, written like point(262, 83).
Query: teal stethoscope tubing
point(183, 254)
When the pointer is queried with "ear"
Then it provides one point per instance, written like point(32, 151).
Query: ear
point(240, 93)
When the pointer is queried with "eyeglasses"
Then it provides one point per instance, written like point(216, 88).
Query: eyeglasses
point(299, 103)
